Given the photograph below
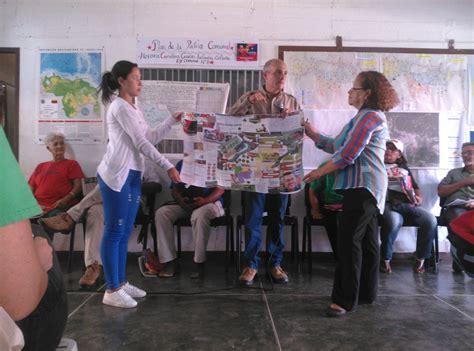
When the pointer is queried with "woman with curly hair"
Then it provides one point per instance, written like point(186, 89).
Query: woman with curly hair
point(360, 175)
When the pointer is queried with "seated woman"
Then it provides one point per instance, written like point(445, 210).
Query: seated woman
point(403, 204)
point(56, 184)
point(325, 204)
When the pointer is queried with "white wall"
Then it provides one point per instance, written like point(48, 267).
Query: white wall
point(115, 25)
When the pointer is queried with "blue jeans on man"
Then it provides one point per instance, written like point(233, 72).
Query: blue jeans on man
point(254, 208)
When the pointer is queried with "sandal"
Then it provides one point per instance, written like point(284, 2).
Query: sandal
point(385, 267)
point(419, 266)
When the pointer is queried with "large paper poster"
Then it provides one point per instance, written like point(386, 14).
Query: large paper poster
point(427, 83)
point(424, 82)
point(68, 102)
point(259, 153)
point(160, 98)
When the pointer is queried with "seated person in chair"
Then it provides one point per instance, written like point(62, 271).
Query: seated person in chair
point(459, 185)
point(201, 205)
point(90, 206)
point(404, 204)
point(64, 223)
point(325, 203)
point(56, 184)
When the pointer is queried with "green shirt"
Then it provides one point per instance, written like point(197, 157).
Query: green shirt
point(324, 186)
point(16, 199)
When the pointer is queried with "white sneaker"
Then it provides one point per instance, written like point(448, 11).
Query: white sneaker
point(133, 291)
point(119, 298)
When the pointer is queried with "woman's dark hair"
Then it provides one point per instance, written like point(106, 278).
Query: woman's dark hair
point(382, 95)
point(401, 161)
point(109, 82)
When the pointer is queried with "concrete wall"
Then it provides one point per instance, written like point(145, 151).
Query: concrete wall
point(115, 25)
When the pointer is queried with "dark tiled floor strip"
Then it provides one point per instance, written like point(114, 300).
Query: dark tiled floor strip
point(413, 312)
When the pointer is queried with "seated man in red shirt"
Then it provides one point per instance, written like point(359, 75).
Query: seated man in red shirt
point(56, 184)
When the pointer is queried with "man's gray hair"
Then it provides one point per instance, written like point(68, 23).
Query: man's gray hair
point(52, 136)
point(269, 64)
point(469, 143)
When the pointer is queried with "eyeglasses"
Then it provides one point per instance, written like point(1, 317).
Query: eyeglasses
point(467, 153)
point(358, 88)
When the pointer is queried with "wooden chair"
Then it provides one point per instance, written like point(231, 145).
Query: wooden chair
point(288, 220)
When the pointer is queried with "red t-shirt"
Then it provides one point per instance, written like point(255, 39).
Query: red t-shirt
point(51, 181)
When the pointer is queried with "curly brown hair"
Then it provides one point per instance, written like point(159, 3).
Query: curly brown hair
point(382, 95)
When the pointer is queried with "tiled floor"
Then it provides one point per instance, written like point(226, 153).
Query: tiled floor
point(413, 312)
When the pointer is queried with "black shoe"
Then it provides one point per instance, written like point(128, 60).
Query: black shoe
point(457, 268)
point(198, 271)
point(170, 270)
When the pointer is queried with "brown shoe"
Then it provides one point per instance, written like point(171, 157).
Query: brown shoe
point(247, 276)
point(91, 275)
point(170, 269)
point(62, 223)
point(278, 275)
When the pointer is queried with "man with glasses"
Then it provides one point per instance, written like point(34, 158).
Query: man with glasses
point(269, 99)
point(459, 185)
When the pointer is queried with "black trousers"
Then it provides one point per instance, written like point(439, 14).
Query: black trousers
point(330, 224)
point(357, 267)
point(44, 327)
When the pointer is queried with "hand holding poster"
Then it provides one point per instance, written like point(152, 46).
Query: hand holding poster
point(259, 153)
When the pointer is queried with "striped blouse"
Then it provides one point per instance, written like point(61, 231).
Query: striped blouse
point(359, 152)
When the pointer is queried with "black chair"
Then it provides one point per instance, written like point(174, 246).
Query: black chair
point(288, 220)
point(226, 220)
point(146, 214)
point(87, 184)
point(308, 222)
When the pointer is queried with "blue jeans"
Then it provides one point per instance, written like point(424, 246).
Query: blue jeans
point(120, 210)
point(254, 208)
point(394, 217)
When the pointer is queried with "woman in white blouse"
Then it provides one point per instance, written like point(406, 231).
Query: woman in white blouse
point(120, 172)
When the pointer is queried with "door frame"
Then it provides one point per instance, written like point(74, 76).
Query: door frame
point(12, 123)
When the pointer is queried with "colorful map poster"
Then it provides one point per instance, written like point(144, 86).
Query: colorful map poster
point(320, 80)
point(68, 102)
point(257, 153)
point(426, 82)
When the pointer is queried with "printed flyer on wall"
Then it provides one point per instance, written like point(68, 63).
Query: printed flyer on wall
point(258, 153)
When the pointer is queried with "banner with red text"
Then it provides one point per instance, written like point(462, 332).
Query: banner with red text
point(197, 52)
